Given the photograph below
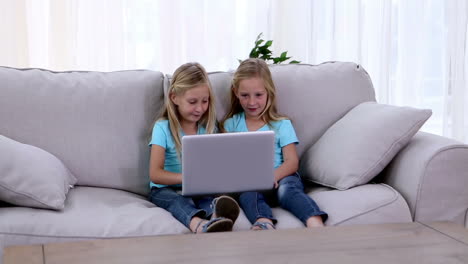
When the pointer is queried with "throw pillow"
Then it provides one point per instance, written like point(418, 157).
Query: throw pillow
point(361, 144)
point(30, 176)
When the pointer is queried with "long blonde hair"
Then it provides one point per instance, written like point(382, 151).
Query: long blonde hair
point(186, 77)
point(251, 68)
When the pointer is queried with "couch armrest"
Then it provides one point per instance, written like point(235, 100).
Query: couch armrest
point(431, 173)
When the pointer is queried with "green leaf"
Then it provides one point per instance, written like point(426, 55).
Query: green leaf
point(264, 52)
point(282, 59)
point(258, 42)
point(253, 54)
point(265, 57)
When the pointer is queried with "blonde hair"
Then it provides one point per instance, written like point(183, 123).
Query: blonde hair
point(254, 68)
point(186, 77)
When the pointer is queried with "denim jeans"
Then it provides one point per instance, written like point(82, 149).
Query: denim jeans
point(290, 196)
point(181, 207)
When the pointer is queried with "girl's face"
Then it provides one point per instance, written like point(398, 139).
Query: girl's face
point(192, 104)
point(252, 96)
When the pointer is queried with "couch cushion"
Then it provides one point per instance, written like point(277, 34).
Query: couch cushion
point(365, 204)
point(326, 91)
point(118, 213)
point(92, 213)
point(359, 145)
point(96, 123)
point(316, 96)
point(30, 176)
point(121, 214)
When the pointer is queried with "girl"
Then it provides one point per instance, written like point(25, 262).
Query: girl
point(188, 110)
point(253, 108)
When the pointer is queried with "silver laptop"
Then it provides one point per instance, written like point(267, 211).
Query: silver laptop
point(228, 162)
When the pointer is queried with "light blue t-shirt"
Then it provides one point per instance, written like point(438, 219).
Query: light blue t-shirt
point(161, 136)
point(284, 133)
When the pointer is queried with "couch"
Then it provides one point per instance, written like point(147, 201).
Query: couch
point(96, 127)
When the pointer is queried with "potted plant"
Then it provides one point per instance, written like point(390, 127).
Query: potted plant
point(264, 52)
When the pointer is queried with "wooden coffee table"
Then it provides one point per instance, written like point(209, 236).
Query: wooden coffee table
point(440, 242)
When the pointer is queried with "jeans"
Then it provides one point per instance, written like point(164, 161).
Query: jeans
point(290, 196)
point(181, 207)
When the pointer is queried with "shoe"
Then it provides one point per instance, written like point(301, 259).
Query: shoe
point(225, 206)
point(263, 226)
point(219, 224)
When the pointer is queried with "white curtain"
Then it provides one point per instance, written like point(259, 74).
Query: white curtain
point(414, 50)
point(455, 115)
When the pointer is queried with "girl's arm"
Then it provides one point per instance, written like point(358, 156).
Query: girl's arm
point(290, 164)
point(157, 173)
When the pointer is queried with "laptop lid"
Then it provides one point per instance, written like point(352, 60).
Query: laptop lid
point(227, 162)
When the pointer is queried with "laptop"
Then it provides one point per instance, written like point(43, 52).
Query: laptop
point(227, 162)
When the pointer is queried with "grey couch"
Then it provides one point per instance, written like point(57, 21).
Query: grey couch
point(98, 124)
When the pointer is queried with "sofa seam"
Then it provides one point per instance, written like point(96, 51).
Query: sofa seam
point(31, 196)
point(426, 165)
point(77, 71)
point(375, 208)
point(357, 65)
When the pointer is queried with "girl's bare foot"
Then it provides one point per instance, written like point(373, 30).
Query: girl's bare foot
point(315, 221)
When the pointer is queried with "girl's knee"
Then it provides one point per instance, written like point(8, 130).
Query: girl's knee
point(283, 191)
point(286, 190)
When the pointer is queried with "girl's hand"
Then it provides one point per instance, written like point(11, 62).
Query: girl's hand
point(276, 180)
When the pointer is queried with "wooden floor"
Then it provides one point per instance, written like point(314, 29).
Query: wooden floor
point(384, 243)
